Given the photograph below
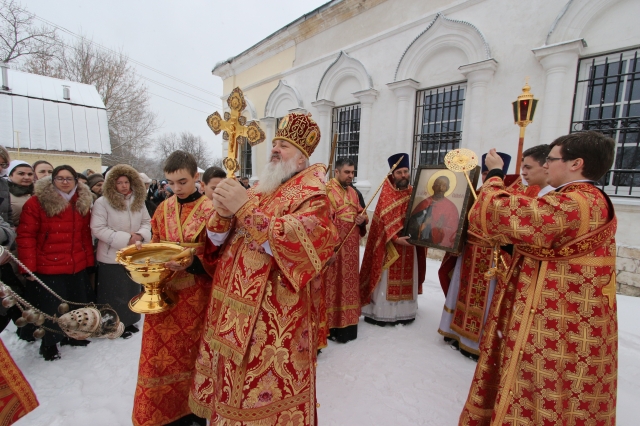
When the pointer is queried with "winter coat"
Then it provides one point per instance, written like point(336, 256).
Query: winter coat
point(5, 202)
point(115, 217)
point(54, 235)
point(19, 196)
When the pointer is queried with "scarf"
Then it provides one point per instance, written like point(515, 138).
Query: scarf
point(68, 196)
point(19, 190)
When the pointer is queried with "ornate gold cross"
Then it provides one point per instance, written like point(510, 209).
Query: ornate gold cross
point(236, 130)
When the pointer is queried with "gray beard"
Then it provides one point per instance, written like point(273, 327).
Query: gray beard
point(275, 174)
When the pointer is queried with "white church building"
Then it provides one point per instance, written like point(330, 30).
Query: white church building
point(427, 76)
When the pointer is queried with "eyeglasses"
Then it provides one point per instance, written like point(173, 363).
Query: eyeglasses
point(4, 165)
point(551, 159)
point(64, 179)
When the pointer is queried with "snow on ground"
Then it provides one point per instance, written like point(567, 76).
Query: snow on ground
point(403, 375)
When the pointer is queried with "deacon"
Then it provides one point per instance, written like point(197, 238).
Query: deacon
point(549, 353)
point(342, 281)
point(170, 339)
point(257, 359)
point(389, 276)
point(533, 173)
point(469, 290)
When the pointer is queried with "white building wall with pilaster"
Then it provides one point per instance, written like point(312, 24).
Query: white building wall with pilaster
point(380, 56)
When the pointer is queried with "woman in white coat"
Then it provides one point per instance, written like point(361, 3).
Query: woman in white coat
point(119, 218)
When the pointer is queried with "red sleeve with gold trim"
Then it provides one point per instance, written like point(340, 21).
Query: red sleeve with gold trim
point(301, 242)
point(545, 222)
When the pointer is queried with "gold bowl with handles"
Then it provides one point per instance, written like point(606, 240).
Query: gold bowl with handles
point(146, 266)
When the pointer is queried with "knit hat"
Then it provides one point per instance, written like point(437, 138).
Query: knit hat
point(95, 179)
point(15, 163)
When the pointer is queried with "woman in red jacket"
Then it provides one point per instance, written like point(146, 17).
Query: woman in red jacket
point(54, 242)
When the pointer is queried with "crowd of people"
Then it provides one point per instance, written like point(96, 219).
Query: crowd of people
point(273, 272)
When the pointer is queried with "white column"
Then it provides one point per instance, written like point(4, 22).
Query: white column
point(556, 105)
point(405, 92)
point(268, 124)
point(479, 75)
point(365, 153)
point(323, 119)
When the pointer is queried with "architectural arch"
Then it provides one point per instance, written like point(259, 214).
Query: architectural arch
point(249, 112)
point(343, 68)
point(442, 33)
point(283, 99)
point(574, 17)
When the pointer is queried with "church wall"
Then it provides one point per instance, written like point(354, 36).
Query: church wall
point(378, 37)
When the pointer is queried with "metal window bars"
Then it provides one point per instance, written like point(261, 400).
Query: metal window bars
point(346, 123)
point(607, 100)
point(438, 124)
point(246, 169)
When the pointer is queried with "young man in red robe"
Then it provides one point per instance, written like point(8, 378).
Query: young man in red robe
point(170, 339)
point(392, 268)
point(549, 351)
point(342, 281)
point(257, 359)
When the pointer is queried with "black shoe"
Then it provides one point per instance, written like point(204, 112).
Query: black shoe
point(407, 321)
point(73, 342)
point(469, 355)
point(448, 340)
point(131, 329)
point(49, 353)
point(126, 334)
point(374, 322)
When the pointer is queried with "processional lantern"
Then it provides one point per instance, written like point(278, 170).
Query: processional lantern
point(523, 110)
point(235, 129)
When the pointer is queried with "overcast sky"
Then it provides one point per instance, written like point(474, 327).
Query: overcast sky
point(182, 38)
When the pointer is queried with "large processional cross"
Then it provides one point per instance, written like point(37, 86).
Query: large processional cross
point(236, 130)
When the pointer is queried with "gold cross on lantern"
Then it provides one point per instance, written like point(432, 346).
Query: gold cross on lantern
point(236, 130)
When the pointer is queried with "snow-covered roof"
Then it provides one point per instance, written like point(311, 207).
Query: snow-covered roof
point(35, 106)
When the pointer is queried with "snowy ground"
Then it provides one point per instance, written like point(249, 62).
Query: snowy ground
point(403, 375)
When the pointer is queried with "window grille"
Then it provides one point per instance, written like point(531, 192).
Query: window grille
point(607, 100)
point(245, 160)
point(438, 124)
point(346, 123)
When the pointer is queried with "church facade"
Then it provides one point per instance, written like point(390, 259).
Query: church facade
point(425, 77)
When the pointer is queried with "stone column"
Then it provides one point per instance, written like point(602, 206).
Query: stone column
point(268, 124)
point(405, 91)
point(478, 77)
point(323, 118)
point(555, 109)
point(365, 152)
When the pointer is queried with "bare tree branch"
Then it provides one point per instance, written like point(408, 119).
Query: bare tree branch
point(186, 141)
point(21, 37)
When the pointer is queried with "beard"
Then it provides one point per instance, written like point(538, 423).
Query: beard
point(402, 183)
point(275, 174)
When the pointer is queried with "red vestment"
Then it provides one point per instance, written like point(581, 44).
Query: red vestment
point(549, 351)
point(170, 339)
point(477, 257)
point(381, 252)
point(257, 359)
point(16, 396)
point(342, 280)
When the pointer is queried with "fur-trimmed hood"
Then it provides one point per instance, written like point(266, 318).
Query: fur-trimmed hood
point(52, 202)
point(114, 198)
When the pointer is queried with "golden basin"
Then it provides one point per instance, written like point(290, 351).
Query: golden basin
point(146, 267)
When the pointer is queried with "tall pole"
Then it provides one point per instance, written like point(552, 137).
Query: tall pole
point(520, 146)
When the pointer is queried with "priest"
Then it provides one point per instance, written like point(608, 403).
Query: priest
point(392, 268)
point(257, 359)
point(549, 352)
point(342, 279)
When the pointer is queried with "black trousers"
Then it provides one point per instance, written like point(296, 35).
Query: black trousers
point(72, 287)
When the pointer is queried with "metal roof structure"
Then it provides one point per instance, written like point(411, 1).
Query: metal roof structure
point(44, 113)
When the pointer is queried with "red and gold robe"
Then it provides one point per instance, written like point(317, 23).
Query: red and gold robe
point(382, 253)
point(549, 351)
point(170, 339)
point(473, 296)
point(342, 281)
point(16, 396)
point(257, 360)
